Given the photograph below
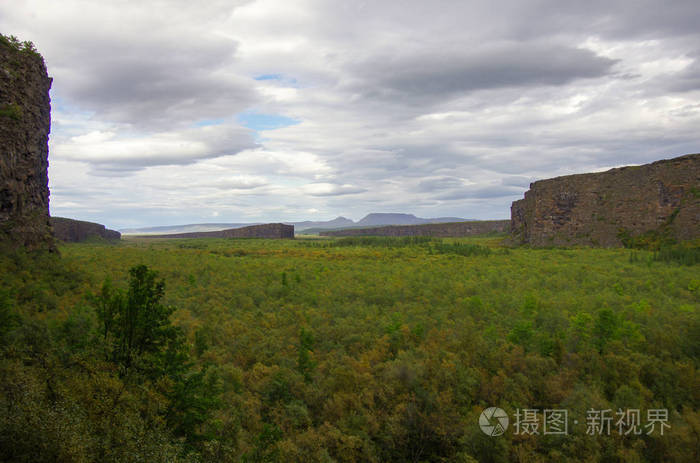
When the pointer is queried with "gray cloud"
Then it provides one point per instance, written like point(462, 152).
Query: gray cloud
point(160, 85)
point(643, 19)
point(439, 183)
point(480, 192)
point(517, 181)
point(426, 76)
point(687, 80)
point(150, 65)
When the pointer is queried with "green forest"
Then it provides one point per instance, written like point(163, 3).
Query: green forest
point(344, 350)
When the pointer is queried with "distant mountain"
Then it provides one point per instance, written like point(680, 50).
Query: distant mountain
point(377, 219)
point(381, 219)
point(308, 226)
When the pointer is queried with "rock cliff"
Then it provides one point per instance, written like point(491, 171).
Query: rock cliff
point(610, 208)
point(74, 231)
point(25, 122)
point(268, 230)
point(443, 230)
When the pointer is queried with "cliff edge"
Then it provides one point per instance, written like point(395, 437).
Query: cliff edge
point(25, 122)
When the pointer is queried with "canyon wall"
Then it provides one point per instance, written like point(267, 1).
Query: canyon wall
point(75, 231)
point(25, 121)
point(268, 230)
point(612, 208)
point(441, 230)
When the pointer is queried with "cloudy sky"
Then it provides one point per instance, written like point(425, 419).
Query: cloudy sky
point(177, 111)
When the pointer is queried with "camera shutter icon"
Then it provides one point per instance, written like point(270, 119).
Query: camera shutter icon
point(493, 421)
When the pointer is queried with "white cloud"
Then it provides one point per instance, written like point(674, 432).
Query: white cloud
point(106, 150)
point(331, 189)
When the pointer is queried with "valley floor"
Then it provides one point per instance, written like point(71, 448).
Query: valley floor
point(364, 350)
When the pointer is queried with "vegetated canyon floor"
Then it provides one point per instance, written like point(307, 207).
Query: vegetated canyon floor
point(417, 333)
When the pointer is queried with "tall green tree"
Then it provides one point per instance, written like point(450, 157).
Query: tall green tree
point(142, 340)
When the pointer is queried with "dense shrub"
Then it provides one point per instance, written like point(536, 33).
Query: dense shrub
point(682, 254)
point(381, 241)
point(461, 249)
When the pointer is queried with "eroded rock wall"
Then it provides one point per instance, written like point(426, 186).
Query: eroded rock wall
point(601, 209)
point(440, 230)
point(75, 231)
point(268, 230)
point(25, 122)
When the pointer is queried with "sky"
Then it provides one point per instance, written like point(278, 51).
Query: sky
point(173, 112)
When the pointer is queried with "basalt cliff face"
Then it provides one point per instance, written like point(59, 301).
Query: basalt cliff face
point(75, 231)
point(607, 208)
point(25, 122)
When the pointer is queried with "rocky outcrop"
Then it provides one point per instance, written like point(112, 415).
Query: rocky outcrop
point(443, 230)
point(608, 208)
point(75, 231)
point(268, 230)
point(25, 122)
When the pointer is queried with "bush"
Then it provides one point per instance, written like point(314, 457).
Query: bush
point(681, 254)
point(382, 241)
point(16, 44)
point(651, 240)
point(462, 249)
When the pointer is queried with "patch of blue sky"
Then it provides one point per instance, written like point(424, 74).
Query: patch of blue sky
point(68, 119)
point(281, 78)
point(268, 77)
point(59, 104)
point(259, 121)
